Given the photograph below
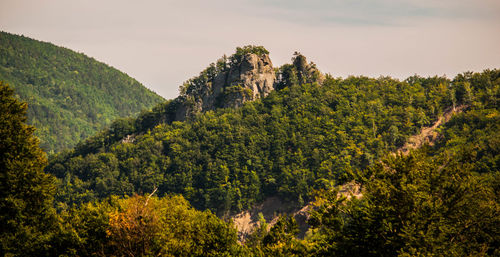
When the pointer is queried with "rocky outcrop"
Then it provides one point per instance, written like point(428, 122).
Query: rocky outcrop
point(270, 210)
point(245, 76)
point(298, 72)
point(306, 72)
point(249, 77)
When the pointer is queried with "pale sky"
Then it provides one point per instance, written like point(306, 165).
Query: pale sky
point(164, 43)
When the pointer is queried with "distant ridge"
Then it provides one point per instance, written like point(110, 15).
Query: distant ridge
point(71, 96)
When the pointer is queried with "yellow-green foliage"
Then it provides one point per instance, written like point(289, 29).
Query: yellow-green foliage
point(294, 141)
point(147, 226)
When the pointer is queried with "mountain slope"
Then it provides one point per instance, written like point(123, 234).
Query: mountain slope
point(70, 96)
point(298, 139)
point(300, 142)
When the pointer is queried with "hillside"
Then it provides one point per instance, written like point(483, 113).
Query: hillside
point(123, 191)
point(299, 138)
point(70, 96)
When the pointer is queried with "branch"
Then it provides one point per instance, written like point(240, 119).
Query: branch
point(149, 196)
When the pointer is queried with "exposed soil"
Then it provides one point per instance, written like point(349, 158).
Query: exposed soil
point(429, 135)
point(273, 207)
point(246, 222)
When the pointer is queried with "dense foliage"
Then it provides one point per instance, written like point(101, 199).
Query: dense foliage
point(413, 206)
point(27, 218)
point(145, 226)
point(135, 226)
point(440, 200)
point(71, 96)
point(299, 139)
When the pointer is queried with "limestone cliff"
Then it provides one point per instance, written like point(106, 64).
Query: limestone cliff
point(298, 72)
point(245, 76)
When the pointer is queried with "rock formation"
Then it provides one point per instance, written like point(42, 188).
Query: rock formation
point(306, 72)
point(246, 78)
point(298, 72)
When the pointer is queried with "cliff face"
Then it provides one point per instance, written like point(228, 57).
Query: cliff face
point(251, 79)
point(306, 72)
point(298, 72)
point(247, 79)
point(245, 76)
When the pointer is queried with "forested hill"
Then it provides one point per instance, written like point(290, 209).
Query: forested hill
point(303, 137)
point(300, 142)
point(70, 95)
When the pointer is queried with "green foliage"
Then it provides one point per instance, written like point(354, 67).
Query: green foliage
point(255, 241)
point(413, 205)
point(476, 134)
point(278, 240)
point(84, 230)
point(249, 49)
point(438, 201)
point(146, 226)
point(298, 139)
point(136, 226)
point(71, 96)
point(304, 138)
point(281, 239)
point(27, 219)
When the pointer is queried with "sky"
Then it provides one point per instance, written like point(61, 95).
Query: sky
point(163, 43)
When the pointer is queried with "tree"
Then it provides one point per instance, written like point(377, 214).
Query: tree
point(280, 240)
point(27, 219)
point(413, 206)
point(150, 226)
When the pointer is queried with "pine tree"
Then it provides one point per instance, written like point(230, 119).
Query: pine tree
point(26, 192)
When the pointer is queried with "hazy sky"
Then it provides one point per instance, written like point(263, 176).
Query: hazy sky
point(163, 43)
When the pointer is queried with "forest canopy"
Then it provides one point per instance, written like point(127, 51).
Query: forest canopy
point(71, 96)
point(300, 143)
point(153, 186)
point(299, 139)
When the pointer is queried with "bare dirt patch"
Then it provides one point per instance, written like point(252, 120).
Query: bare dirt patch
point(429, 135)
